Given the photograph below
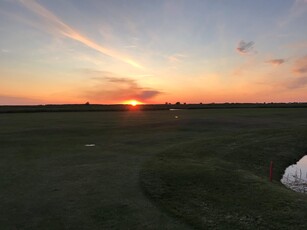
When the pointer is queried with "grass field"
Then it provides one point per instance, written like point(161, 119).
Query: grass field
point(206, 169)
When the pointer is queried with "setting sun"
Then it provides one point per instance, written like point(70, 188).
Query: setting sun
point(133, 102)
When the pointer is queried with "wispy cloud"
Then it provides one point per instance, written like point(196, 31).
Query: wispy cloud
point(130, 46)
point(296, 83)
point(245, 47)
point(300, 66)
point(53, 25)
point(276, 62)
point(176, 58)
point(108, 86)
point(15, 100)
point(298, 9)
point(5, 51)
point(302, 45)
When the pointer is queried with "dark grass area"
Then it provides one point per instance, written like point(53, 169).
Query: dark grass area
point(50, 180)
point(220, 179)
point(206, 169)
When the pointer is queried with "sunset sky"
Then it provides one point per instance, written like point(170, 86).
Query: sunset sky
point(153, 51)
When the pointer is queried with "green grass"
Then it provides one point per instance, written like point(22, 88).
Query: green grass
point(220, 179)
point(207, 169)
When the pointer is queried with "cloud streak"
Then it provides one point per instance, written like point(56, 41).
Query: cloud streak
point(276, 62)
point(298, 9)
point(56, 25)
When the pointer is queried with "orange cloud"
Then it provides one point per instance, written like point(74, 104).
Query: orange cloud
point(108, 87)
point(55, 25)
point(276, 62)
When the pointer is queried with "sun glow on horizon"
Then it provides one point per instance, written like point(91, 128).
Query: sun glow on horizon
point(133, 102)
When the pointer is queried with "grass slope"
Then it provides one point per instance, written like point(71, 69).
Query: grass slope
point(219, 180)
point(205, 169)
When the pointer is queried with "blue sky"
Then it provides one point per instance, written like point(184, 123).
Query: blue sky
point(75, 51)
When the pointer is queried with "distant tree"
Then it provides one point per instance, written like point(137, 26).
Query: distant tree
point(200, 103)
point(177, 103)
point(184, 103)
point(87, 103)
